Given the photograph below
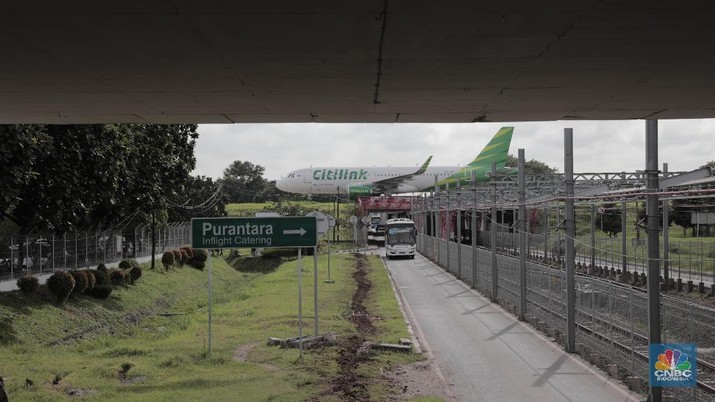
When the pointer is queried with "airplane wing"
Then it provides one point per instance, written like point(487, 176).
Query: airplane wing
point(389, 185)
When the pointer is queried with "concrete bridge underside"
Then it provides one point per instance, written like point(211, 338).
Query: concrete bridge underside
point(176, 61)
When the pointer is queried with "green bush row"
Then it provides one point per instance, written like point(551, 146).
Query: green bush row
point(100, 282)
point(97, 283)
point(184, 256)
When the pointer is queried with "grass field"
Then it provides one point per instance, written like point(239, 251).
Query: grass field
point(248, 209)
point(158, 327)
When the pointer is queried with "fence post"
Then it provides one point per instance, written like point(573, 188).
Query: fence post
point(448, 225)
point(12, 256)
point(459, 230)
point(522, 236)
point(436, 220)
point(493, 233)
point(474, 230)
point(653, 241)
point(570, 231)
point(53, 252)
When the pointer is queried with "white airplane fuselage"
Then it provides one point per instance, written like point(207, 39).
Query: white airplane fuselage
point(337, 180)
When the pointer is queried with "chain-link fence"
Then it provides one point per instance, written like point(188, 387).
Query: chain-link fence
point(39, 253)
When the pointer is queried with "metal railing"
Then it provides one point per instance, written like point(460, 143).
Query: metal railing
point(611, 318)
point(38, 254)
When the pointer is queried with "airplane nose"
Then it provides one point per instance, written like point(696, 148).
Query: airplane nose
point(280, 185)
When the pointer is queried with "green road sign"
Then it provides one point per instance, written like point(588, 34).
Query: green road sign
point(290, 231)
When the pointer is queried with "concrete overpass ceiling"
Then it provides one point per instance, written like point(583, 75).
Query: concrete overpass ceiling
point(326, 61)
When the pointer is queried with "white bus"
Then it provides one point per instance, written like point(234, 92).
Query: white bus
point(400, 238)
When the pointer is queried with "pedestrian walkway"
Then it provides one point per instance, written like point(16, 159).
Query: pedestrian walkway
point(486, 354)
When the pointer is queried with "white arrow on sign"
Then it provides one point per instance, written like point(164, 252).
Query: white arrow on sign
point(300, 231)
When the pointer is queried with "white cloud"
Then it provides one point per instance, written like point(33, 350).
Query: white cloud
point(599, 146)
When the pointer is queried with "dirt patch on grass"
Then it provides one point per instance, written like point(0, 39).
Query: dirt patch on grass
point(407, 382)
point(241, 354)
point(348, 384)
point(419, 379)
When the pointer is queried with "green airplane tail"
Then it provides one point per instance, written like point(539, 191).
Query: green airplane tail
point(495, 151)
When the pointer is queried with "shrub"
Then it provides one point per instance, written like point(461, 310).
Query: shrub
point(184, 257)
point(197, 264)
point(102, 268)
point(177, 256)
point(28, 284)
point(189, 251)
point(61, 284)
point(125, 264)
point(80, 281)
point(100, 277)
point(134, 274)
point(101, 291)
point(199, 259)
point(91, 280)
point(201, 255)
point(118, 277)
point(167, 259)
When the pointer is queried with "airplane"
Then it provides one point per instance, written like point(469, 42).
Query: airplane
point(368, 181)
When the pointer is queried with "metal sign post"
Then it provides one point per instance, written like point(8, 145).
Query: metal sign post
point(315, 288)
point(300, 303)
point(265, 232)
point(321, 222)
point(331, 224)
point(209, 350)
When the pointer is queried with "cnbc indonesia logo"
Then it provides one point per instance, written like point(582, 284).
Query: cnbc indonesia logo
point(673, 365)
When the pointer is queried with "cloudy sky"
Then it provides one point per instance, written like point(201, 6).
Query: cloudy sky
point(599, 146)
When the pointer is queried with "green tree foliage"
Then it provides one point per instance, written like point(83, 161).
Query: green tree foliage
point(642, 217)
point(21, 151)
point(201, 197)
point(532, 167)
point(243, 182)
point(682, 212)
point(608, 219)
point(91, 174)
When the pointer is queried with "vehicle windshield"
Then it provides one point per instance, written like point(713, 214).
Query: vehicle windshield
point(401, 234)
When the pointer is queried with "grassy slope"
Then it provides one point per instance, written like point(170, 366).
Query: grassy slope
point(87, 341)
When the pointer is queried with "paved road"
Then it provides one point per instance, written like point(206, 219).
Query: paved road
point(486, 354)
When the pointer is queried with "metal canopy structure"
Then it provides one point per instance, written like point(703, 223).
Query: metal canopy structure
point(588, 186)
point(370, 61)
